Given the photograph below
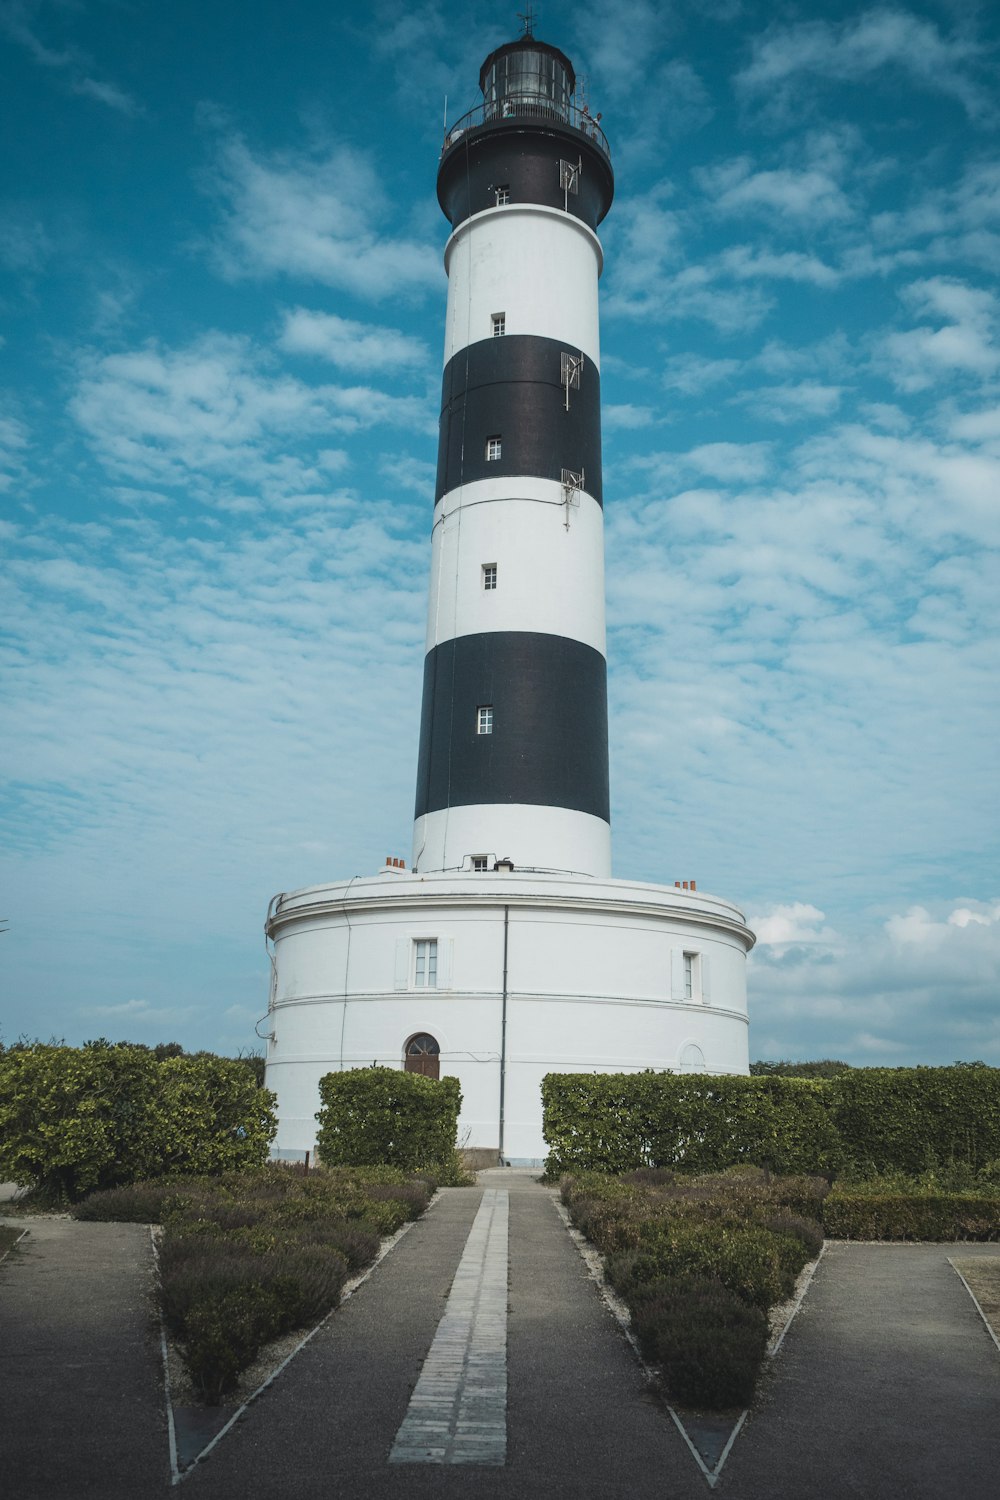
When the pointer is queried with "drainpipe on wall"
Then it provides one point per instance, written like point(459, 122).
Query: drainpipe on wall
point(503, 1029)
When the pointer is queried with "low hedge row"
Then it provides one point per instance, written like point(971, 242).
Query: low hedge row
point(700, 1261)
point(246, 1257)
point(874, 1212)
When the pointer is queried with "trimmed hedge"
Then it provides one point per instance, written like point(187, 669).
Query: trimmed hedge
point(910, 1119)
point(73, 1119)
point(873, 1213)
point(865, 1121)
point(615, 1122)
point(384, 1116)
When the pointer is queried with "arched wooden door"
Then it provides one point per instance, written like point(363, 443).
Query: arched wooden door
point(422, 1055)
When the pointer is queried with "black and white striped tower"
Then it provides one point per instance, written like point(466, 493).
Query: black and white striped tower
point(513, 760)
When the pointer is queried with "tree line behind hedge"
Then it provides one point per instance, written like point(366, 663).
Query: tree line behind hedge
point(76, 1119)
point(865, 1120)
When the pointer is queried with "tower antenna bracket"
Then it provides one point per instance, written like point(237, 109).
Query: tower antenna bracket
point(527, 20)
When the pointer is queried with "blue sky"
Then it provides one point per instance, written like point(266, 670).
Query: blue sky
point(221, 320)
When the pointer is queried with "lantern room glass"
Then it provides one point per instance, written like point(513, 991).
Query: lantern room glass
point(527, 76)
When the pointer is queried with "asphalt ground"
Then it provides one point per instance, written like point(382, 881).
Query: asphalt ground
point(887, 1384)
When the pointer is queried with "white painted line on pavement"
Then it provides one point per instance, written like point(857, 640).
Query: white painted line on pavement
point(975, 1301)
point(805, 1278)
point(458, 1411)
point(13, 1247)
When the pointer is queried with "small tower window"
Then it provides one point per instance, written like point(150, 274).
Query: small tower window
point(503, 194)
point(484, 718)
point(499, 321)
point(480, 862)
point(489, 576)
point(493, 446)
point(425, 962)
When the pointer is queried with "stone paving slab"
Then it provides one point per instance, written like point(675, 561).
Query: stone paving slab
point(458, 1411)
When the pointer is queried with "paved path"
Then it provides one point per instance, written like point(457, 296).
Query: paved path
point(81, 1410)
point(887, 1383)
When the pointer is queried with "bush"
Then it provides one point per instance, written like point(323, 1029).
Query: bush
point(699, 1261)
point(874, 1212)
point(748, 1261)
point(709, 1344)
point(73, 1120)
point(687, 1123)
point(909, 1119)
point(138, 1203)
point(384, 1116)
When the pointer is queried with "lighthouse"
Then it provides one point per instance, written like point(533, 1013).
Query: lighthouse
point(506, 950)
point(514, 734)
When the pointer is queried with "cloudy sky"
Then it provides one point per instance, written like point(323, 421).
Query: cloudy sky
point(221, 317)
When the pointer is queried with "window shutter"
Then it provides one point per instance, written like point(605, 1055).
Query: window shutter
point(706, 987)
point(677, 973)
point(402, 963)
point(446, 958)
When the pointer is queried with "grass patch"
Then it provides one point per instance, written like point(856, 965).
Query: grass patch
point(248, 1256)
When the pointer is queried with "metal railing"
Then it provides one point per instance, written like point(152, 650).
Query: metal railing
point(528, 109)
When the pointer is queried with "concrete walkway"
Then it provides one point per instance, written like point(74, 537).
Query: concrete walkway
point(887, 1384)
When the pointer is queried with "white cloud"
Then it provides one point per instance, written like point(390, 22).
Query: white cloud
point(792, 922)
point(16, 18)
point(792, 403)
point(919, 988)
point(807, 195)
point(216, 409)
point(315, 218)
point(879, 39)
point(351, 345)
point(13, 448)
point(626, 417)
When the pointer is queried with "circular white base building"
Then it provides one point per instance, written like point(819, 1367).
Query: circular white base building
point(498, 979)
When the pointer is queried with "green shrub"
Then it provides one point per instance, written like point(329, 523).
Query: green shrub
point(857, 1212)
point(138, 1203)
point(746, 1260)
point(384, 1116)
point(687, 1123)
point(709, 1344)
point(910, 1119)
point(222, 1335)
point(76, 1119)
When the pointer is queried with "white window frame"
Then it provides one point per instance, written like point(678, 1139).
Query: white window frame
point(484, 718)
point(425, 963)
point(480, 863)
point(489, 577)
point(690, 976)
point(502, 194)
point(499, 324)
point(494, 447)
